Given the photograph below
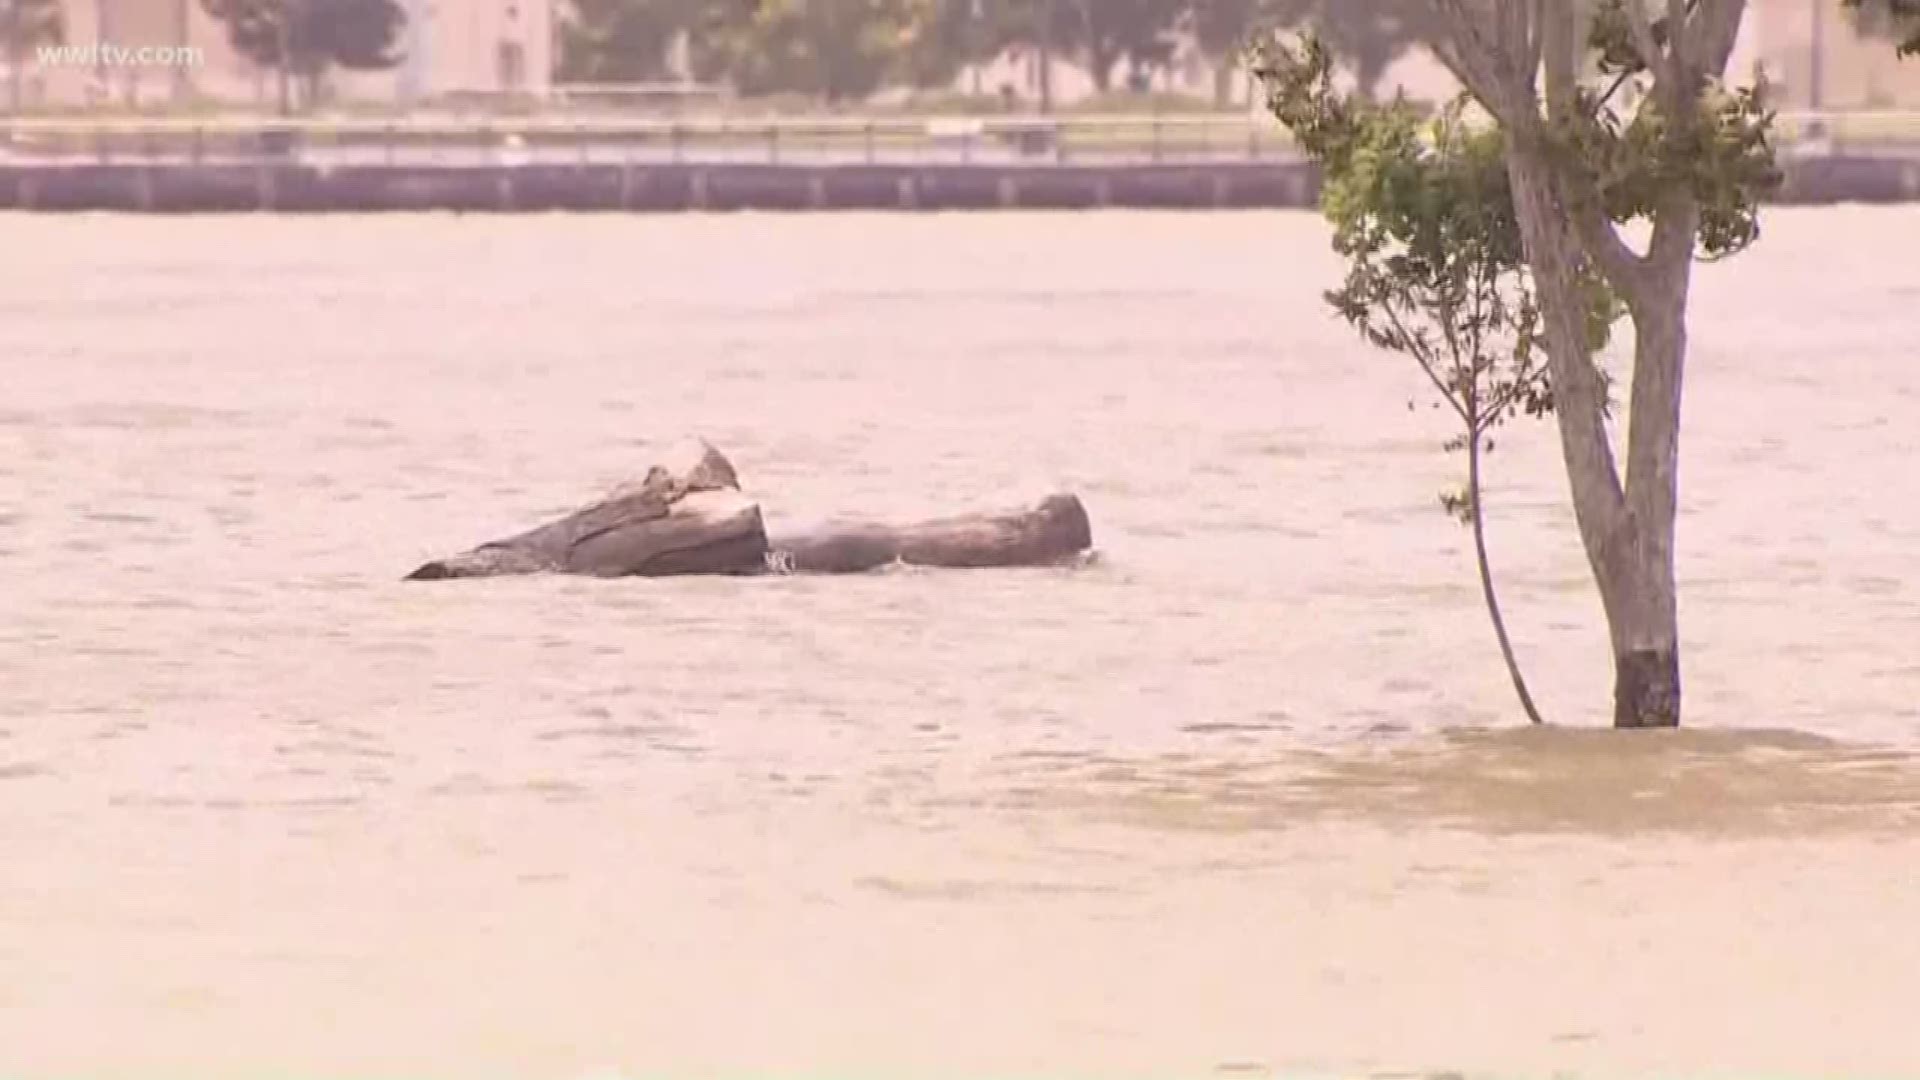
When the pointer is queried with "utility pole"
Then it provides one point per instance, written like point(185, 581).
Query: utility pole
point(287, 8)
point(977, 41)
point(16, 56)
point(1046, 57)
point(183, 38)
point(102, 36)
point(1817, 59)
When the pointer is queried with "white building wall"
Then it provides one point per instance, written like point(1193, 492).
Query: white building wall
point(485, 45)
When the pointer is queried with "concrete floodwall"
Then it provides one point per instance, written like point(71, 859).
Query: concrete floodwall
point(584, 187)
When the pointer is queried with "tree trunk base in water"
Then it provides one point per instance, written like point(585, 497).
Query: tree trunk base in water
point(1646, 689)
point(689, 517)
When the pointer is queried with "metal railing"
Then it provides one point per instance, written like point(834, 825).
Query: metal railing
point(1858, 129)
point(549, 140)
point(1003, 140)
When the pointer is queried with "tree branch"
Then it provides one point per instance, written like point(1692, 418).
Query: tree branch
point(1517, 33)
point(1527, 37)
point(1623, 268)
point(1641, 28)
point(1661, 62)
point(1481, 66)
point(1469, 379)
point(1426, 363)
point(1677, 36)
point(1675, 229)
point(1560, 58)
point(1718, 32)
point(1701, 54)
point(1573, 190)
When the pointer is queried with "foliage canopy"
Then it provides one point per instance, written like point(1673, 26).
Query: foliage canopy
point(309, 36)
point(848, 47)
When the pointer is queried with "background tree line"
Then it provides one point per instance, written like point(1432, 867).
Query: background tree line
point(846, 49)
point(840, 49)
point(301, 40)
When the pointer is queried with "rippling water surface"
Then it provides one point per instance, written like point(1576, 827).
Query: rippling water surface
point(1243, 794)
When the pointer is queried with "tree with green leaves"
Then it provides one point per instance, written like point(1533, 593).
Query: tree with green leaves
point(621, 40)
point(1371, 35)
point(944, 37)
point(303, 39)
point(26, 25)
point(1422, 212)
point(1106, 32)
point(836, 51)
point(1685, 165)
point(1890, 18)
point(1042, 28)
point(1222, 29)
point(1368, 37)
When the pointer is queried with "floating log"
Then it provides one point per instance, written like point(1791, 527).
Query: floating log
point(1055, 530)
point(690, 517)
point(685, 517)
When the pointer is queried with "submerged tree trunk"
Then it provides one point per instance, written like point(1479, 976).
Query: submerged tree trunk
point(1055, 530)
point(1475, 508)
point(689, 517)
point(1500, 51)
point(1628, 531)
point(686, 517)
point(1647, 647)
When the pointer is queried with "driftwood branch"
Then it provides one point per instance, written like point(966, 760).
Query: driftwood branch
point(688, 516)
point(1055, 530)
point(685, 517)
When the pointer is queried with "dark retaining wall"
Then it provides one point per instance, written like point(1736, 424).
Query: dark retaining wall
point(606, 187)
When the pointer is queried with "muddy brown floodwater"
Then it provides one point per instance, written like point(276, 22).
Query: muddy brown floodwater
point(1245, 794)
